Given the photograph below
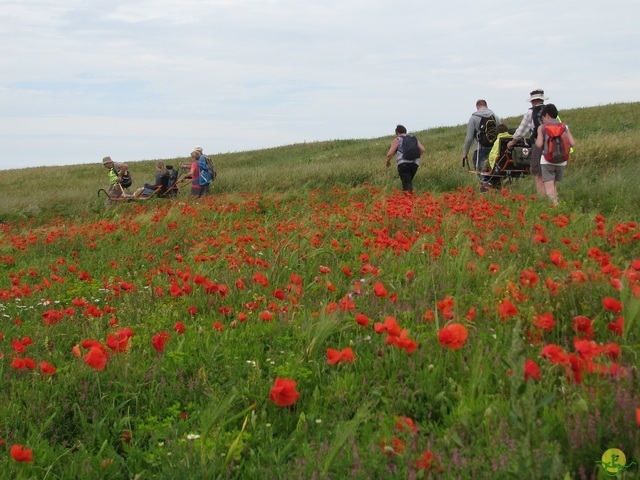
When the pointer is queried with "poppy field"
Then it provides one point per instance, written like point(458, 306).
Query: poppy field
point(346, 333)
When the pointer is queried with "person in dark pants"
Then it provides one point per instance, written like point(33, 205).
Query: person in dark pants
point(407, 167)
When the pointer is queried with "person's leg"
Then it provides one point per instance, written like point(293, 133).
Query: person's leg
point(480, 157)
point(551, 191)
point(407, 171)
point(535, 169)
point(548, 177)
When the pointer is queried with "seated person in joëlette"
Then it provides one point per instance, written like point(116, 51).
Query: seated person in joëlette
point(149, 188)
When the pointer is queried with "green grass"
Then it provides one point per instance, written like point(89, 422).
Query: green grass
point(599, 177)
point(280, 234)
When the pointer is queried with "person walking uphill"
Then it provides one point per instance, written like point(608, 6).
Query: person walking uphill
point(529, 124)
point(481, 128)
point(408, 151)
point(555, 141)
point(197, 189)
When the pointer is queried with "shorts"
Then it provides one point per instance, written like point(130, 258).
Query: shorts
point(551, 172)
point(198, 192)
point(534, 168)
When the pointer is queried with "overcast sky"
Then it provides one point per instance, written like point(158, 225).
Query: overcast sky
point(147, 79)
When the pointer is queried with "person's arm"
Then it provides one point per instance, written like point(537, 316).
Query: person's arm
point(523, 128)
point(392, 150)
point(572, 142)
point(422, 149)
point(540, 137)
point(122, 171)
point(468, 140)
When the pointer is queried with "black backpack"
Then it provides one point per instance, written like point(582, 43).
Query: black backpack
point(536, 116)
point(487, 131)
point(410, 149)
point(126, 178)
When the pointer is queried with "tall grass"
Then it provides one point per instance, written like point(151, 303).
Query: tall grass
point(601, 175)
point(273, 270)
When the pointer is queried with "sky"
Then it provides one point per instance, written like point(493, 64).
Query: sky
point(151, 79)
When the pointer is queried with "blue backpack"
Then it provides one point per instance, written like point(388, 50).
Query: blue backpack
point(205, 172)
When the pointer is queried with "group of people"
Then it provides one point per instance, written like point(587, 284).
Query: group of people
point(531, 130)
point(407, 149)
point(120, 178)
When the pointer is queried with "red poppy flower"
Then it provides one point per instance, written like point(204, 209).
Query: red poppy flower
point(179, 328)
point(531, 370)
point(362, 319)
point(471, 314)
point(424, 461)
point(612, 305)
point(397, 447)
point(390, 327)
point(544, 322)
point(453, 336)
point(29, 363)
point(582, 326)
point(555, 354)
point(507, 310)
point(266, 316)
point(193, 310)
point(406, 423)
point(379, 290)
point(18, 346)
point(47, 369)
point(340, 356)
point(96, 358)
point(611, 350)
point(283, 392)
point(18, 364)
point(347, 271)
point(324, 269)
point(429, 316)
point(617, 327)
point(21, 454)
point(218, 326)
point(638, 416)
point(528, 278)
point(159, 340)
point(402, 341)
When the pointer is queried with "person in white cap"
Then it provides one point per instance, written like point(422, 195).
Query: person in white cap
point(529, 126)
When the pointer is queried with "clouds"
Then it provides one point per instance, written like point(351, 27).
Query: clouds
point(143, 79)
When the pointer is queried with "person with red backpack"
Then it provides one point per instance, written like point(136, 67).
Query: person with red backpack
point(555, 141)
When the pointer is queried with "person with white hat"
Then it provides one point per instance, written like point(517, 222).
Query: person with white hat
point(529, 125)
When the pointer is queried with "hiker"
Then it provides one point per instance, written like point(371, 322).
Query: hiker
point(119, 177)
point(481, 127)
point(407, 150)
point(197, 190)
point(531, 120)
point(551, 172)
point(150, 189)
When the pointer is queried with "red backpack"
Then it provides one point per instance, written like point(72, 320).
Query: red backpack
point(556, 148)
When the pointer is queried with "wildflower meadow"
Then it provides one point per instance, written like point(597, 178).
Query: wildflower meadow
point(322, 333)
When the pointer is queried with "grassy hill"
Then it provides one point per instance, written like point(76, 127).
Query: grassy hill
point(602, 174)
point(310, 321)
